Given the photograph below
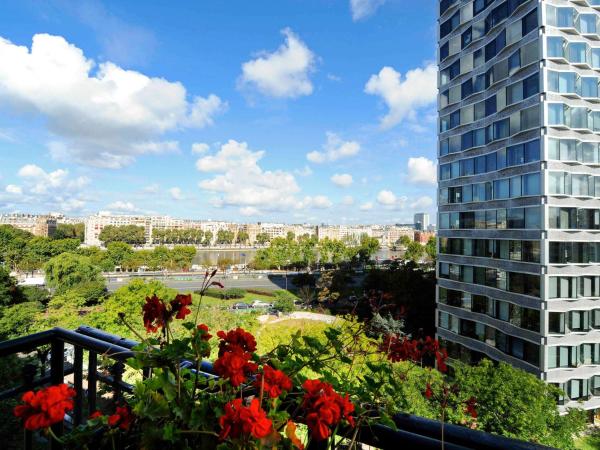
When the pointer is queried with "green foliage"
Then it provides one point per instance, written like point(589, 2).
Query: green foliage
point(70, 231)
point(242, 237)
point(68, 300)
point(225, 237)
point(226, 294)
point(18, 320)
point(35, 294)
point(130, 234)
point(262, 238)
point(414, 252)
point(186, 236)
point(516, 404)
point(404, 241)
point(431, 248)
point(9, 292)
point(284, 304)
point(385, 325)
point(68, 269)
point(118, 252)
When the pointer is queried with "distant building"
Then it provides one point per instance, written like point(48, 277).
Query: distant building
point(422, 221)
point(95, 224)
point(422, 237)
point(38, 225)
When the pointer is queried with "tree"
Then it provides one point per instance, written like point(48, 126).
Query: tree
point(516, 404)
point(403, 241)
point(208, 238)
point(130, 234)
point(291, 236)
point(306, 295)
point(284, 304)
point(431, 248)
point(13, 243)
point(18, 320)
point(242, 237)
point(414, 252)
point(262, 238)
point(118, 252)
point(70, 231)
point(368, 247)
point(9, 291)
point(68, 270)
point(225, 237)
point(182, 257)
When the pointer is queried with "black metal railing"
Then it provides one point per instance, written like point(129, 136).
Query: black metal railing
point(412, 431)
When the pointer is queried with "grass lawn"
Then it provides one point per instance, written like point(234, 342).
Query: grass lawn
point(591, 442)
point(248, 298)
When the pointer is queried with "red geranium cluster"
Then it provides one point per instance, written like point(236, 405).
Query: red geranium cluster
point(45, 407)
point(244, 421)
point(275, 382)
point(471, 407)
point(324, 408)
point(401, 348)
point(123, 417)
point(157, 313)
point(235, 357)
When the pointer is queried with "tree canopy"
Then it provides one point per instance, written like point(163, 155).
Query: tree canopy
point(130, 234)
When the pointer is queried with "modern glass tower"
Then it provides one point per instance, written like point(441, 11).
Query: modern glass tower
point(519, 187)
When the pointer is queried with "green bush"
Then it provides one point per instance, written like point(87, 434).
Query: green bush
point(35, 294)
point(225, 294)
point(284, 304)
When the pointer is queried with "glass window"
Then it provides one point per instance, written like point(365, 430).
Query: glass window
point(589, 87)
point(515, 187)
point(556, 114)
point(531, 184)
point(578, 52)
point(555, 45)
point(501, 189)
point(532, 218)
point(587, 23)
point(556, 323)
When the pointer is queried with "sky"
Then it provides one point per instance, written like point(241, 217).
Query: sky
point(297, 111)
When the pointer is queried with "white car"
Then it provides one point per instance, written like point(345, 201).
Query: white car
point(260, 304)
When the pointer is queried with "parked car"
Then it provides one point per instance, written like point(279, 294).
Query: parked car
point(260, 304)
point(241, 306)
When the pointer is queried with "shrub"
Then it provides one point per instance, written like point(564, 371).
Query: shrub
point(225, 294)
point(284, 304)
point(264, 292)
point(35, 294)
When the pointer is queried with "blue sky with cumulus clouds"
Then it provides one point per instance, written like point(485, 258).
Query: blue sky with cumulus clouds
point(289, 110)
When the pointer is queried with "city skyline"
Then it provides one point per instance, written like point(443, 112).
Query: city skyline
point(325, 116)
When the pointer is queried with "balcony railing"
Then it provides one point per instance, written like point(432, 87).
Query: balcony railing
point(412, 432)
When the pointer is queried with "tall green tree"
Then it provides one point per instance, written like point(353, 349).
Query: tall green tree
point(242, 237)
point(67, 270)
point(70, 231)
point(9, 291)
point(262, 238)
point(130, 234)
point(225, 237)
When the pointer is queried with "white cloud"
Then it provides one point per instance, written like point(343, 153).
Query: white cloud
point(176, 193)
point(249, 211)
point(317, 202)
point(403, 96)
point(348, 200)
point(283, 73)
point(422, 203)
point(199, 147)
point(342, 179)
point(122, 206)
point(335, 148)
point(101, 115)
point(153, 188)
point(304, 172)
point(56, 190)
point(366, 206)
point(361, 9)
point(422, 170)
point(386, 197)
point(14, 189)
point(240, 181)
point(332, 77)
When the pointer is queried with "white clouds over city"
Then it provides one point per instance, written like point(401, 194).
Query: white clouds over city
point(334, 149)
point(99, 114)
point(361, 9)
point(422, 171)
point(403, 96)
point(283, 73)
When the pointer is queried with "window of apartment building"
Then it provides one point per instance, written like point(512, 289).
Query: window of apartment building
point(556, 322)
point(561, 356)
point(579, 320)
point(555, 46)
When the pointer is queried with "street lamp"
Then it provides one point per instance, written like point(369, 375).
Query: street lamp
point(286, 266)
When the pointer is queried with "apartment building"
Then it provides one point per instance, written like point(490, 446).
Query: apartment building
point(421, 221)
point(519, 188)
point(96, 223)
point(38, 225)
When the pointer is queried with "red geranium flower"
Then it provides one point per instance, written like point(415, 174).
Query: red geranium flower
point(204, 334)
point(122, 417)
point(401, 348)
point(155, 313)
point(471, 410)
point(275, 382)
point(244, 421)
point(238, 338)
point(235, 365)
point(96, 415)
point(324, 408)
point(45, 407)
point(179, 305)
point(428, 391)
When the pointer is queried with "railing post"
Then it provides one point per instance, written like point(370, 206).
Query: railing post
point(28, 377)
point(78, 382)
point(116, 370)
point(92, 381)
point(57, 371)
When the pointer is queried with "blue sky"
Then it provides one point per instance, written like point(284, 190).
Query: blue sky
point(295, 111)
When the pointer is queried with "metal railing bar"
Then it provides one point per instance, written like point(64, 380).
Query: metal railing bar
point(106, 337)
point(111, 350)
point(78, 385)
point(13, 392)
point(384, 437)
point(57, 373)
point(25, 343)
point(92, 380)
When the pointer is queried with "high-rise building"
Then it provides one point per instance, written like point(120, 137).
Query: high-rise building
point(519, 188)
point(421, 221)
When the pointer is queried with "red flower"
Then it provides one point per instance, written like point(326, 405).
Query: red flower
point(179, 305)
point(244, 421)
point(96, 415)
point(471, 410)
point(204, 334)
point(275, 382)
point(238, 338)
point(235, 365)
point(45, 407)
point(324, 408)
point(428, 391)
point(122, 417)
point(155, 314)
point(404, 349)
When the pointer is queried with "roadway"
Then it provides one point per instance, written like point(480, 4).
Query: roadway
point(185, 283)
